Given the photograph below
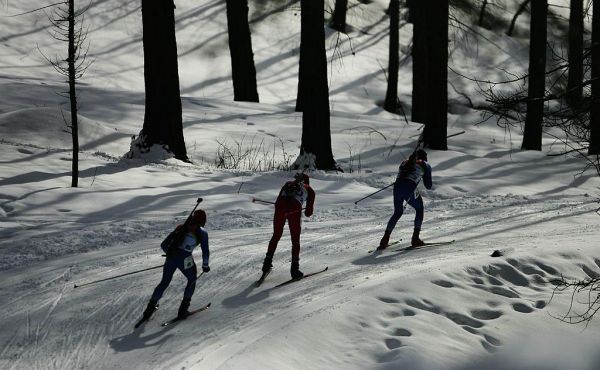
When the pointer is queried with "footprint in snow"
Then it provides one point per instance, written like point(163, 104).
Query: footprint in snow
point(486, 314)
point(521, 307)
point(401, 332)
point(443, 283)
point(388, 300)
point(393, 343)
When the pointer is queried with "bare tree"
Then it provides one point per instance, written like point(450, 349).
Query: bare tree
point(532, 134)
point(585, 293)
point(68, 26)
point(484, 3)
point(521, 9)
point(162, 117)
point(240, 47)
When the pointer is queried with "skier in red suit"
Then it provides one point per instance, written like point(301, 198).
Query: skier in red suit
point(289, 207)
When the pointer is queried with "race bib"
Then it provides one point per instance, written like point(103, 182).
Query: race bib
point(188, 262)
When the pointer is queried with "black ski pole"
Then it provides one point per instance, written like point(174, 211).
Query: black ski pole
point(118, 276)
point(370, 195)
point(254, 200)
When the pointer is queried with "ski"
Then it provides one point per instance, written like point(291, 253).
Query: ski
point(389, 245)
point(262, 278)
point(172, 321)
point(143, 320)
point(429, 244)
point(302, 278)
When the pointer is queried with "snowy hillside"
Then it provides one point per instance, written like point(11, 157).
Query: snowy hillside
point(438, 307)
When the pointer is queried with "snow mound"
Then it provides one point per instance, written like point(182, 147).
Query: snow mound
point(49, 128)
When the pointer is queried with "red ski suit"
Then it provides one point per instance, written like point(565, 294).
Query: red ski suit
point(290, 209)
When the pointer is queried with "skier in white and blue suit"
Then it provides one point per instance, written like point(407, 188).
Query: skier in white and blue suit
point(181, 258)
point(410, 173)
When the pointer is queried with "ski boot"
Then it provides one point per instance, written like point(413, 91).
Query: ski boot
point(295, 270)
point(267, 264)
point(183, 309)
point(384, 241)
point(150, 308)
point(416, 242)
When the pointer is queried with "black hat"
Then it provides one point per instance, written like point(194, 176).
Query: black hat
point(421, 154)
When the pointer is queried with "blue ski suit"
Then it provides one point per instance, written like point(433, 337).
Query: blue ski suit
point(182, 259)
point(405, 189)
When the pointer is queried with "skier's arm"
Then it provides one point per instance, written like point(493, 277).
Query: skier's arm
point(310, 202)
point(204, 246)
point(427, 181)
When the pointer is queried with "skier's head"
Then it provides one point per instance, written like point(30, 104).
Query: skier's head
point(421, 154)
point(302, 177)
point(199, 217)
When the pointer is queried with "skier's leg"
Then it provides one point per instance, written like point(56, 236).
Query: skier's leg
point(417, 204)
point(168, 270)
point(191, 275)
point(294, 222)
point(278, 223)
point(398, 209)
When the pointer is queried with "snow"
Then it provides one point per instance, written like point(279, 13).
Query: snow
point(440, 307)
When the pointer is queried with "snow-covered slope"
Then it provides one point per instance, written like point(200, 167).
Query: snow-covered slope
point(448, 306)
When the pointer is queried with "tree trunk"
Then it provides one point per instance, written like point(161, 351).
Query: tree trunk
point(302, 68)
point(595, 103)
point(575, 81)
point(73, 95)
point(419, 16)
point(240, 47)
point(162, 118)
point(391, 95)
point(436, 114)
point(338, 20)
point(532, 135)
point(316, 135)
point(410, 4)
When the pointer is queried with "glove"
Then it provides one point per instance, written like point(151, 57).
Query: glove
point(205, 268)
point(308, 211)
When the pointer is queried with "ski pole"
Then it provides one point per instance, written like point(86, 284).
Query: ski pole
point(118, 276)
point(254, 200)
point(370, 195)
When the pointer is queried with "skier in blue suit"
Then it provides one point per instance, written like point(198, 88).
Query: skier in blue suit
point(410, 173)
point(181, 258)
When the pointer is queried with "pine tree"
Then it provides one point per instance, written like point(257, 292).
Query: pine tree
point(240, 47)
point(316, 135)
point(338, 19)
point(162, 117)
point(575, 77)
point(436, 114)
point(391, 95)
point(418, 12)
point(594, 147)
point(532, 135)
